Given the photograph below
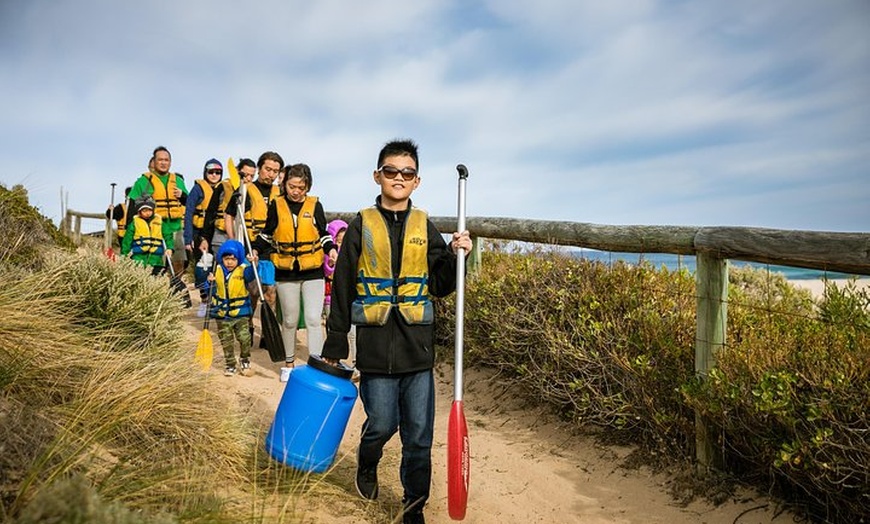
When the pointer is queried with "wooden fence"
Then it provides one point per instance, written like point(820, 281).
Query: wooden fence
point(71, 226)
point(712, 247)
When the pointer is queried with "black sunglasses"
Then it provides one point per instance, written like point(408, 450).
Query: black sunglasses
point(408, 173)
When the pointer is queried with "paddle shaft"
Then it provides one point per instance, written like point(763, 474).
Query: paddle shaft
point(460, 289)
point(168, 259)
point(243, 192)
point(458, 454)
point(108, 236)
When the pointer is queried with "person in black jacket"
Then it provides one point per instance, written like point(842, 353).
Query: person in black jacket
point(392, 261)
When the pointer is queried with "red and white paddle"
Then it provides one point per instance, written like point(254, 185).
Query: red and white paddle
point(458, 458)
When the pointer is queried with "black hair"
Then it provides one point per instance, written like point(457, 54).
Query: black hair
point(245, 162)
point(403, 147)
point(270, 155)
point(159, 149)
point(298, 171)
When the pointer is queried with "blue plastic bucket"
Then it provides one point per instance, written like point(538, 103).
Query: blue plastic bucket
point(312, 416)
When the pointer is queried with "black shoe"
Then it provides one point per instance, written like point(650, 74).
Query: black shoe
point(413, 518)
point(367, 482)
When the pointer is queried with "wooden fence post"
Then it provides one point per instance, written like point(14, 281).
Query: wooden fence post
point(473, 265)
point(711, 282)
point(78, 231)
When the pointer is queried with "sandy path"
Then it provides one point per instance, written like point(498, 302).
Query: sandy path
point(525, 467)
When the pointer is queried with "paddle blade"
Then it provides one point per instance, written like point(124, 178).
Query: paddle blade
point(271, 333)
point(180, 288)
point(458, 462)
point(204, 350)
point(235, 180)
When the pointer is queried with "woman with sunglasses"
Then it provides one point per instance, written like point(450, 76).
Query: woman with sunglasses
point(195, 242)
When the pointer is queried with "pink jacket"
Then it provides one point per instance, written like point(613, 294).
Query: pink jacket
point(333, 228)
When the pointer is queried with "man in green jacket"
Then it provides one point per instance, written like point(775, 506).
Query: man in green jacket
point(170, 195)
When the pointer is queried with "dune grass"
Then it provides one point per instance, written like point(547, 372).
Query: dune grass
point(111, 393)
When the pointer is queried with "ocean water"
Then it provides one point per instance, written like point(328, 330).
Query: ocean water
point(675, 262)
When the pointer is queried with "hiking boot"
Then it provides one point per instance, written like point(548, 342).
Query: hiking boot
point(367, 482)
point(285, 374)
point(413, 518)
point(246, 368)
point(230, 371)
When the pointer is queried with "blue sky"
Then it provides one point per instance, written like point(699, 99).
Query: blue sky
point(619, 112)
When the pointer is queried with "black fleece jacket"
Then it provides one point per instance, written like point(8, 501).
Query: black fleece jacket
point(396, 347)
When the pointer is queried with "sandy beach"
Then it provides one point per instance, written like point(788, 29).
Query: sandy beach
point(817, 286)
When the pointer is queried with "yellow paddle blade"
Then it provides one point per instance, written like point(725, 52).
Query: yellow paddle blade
point(234, 174)
point(204, 350)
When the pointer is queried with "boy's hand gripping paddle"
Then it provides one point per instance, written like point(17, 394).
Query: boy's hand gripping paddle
point(458, 457)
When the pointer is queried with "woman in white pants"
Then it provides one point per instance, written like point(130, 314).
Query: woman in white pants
point(298, 244)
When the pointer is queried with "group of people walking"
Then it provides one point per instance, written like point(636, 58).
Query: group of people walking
point(392, 261)
point(270, 213)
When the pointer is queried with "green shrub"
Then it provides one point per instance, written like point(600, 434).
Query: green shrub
point(24, 232)
point(613, 346)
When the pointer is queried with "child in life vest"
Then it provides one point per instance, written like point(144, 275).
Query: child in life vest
point(336, 229)
point(231, 305)
point(143, 238)
point(393, 260)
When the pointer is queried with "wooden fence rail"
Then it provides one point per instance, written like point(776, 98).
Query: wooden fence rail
point(71, 225)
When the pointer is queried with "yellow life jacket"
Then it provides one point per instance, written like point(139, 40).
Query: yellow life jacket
point(122, 222)
point(377, 290)
point(230, 297)
point(255, 217)
point(297, 240)
point(199, 211)
point(164, 196)
point(226, 196)
point(147, 236)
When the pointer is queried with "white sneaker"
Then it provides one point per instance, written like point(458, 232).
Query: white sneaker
point(285, 374)
point(202, 310)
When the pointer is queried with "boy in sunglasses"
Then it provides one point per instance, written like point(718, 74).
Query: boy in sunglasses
point(392, 261)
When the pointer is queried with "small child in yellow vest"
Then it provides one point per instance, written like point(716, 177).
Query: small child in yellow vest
point(231, 305)
point(143, 239)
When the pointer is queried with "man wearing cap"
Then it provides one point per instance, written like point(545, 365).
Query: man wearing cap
point(194, 223)
point(169, 193)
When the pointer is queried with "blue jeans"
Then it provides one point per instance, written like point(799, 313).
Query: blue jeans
point(405, 403)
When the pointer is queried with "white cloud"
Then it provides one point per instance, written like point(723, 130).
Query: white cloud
point(634, 111)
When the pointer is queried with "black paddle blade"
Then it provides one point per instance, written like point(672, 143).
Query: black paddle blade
point(180, 288)
point(272, 333)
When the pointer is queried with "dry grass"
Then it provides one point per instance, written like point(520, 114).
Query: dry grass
point(92, 358)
